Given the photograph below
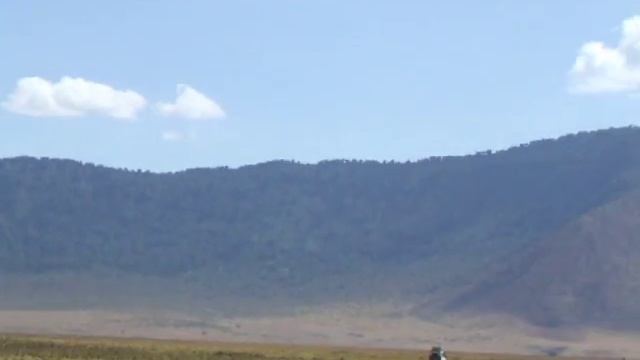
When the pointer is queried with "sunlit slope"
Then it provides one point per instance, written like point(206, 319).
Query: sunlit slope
point(585, 272)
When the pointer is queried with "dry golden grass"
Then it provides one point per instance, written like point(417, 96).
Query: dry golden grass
point(14, 347)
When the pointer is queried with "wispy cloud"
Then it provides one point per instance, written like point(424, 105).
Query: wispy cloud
point(600, 68)
point(176, 136)
point(191, 104)
point(72, 97)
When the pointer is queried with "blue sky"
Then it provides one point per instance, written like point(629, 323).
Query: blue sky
point(307, 79)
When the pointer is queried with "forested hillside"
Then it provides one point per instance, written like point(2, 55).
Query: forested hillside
point(357, 228)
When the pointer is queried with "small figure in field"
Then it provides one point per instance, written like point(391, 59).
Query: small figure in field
point(437, 353)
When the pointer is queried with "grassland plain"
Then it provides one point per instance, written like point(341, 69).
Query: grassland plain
point(23, 347)
point(342, 326)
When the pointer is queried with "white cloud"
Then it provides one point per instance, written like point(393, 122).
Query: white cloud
point(175, 136)
point(191, 104)
point(72, 97)
point(599, 68)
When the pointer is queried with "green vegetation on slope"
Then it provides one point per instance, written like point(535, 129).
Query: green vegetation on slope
point(327, 232)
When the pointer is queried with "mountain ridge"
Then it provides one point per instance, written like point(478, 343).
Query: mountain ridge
point(450, 228)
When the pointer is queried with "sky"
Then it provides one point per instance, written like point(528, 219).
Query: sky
point(168, 85)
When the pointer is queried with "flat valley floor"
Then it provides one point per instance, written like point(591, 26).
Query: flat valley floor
point(342, 326)
point(21, 347)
